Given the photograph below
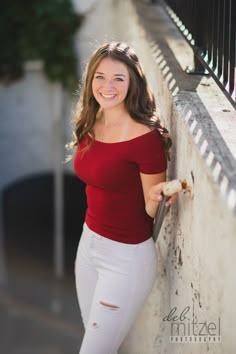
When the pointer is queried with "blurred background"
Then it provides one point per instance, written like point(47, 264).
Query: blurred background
point(42, 203)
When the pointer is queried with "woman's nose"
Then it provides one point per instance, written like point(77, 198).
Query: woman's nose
point(108, 83)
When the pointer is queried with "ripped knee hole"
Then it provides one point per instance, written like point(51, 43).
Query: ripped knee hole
point(110, 306)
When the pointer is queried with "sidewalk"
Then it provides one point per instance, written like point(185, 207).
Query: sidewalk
point(37, 314)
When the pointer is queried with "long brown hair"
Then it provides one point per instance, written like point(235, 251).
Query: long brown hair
point(139, 101)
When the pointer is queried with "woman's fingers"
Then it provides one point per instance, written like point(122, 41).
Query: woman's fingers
point(156, 194)
point(171, 200)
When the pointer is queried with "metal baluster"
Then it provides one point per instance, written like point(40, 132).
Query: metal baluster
point(232, 62)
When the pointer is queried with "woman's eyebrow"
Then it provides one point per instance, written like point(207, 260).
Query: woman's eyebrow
point(99, 72)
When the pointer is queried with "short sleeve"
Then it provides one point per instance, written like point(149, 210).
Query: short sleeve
point(151, 157)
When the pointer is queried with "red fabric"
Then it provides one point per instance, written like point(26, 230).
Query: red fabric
point(111, 171)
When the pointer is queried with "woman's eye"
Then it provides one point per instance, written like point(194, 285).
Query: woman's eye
point(99, 77)
point(119, 79)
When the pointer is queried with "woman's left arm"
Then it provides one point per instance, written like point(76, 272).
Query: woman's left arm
point(152, 188)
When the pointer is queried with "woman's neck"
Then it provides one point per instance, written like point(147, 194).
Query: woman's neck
point(113, 117)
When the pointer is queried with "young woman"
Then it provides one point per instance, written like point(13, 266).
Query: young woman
point(121, 156)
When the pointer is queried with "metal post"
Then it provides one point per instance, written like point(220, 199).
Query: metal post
point(199, 31)
point(58, 141)
point(3, 267)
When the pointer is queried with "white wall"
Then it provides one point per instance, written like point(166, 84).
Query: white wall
point(30, 109)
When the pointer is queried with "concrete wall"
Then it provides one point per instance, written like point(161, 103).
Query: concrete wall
point(30, 111)
point(197, 244)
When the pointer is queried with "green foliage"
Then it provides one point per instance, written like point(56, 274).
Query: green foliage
point(39, 29)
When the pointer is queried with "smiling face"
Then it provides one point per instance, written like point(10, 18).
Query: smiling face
point(110, 83)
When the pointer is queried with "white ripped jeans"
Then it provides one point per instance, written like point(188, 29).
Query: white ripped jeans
point(113, 279)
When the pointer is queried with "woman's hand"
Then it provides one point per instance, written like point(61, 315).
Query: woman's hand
point(155, 197)
point(155, 194)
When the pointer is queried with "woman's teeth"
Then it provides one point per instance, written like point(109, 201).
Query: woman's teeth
point(107, 96)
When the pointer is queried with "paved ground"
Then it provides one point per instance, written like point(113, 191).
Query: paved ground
point(37, 314)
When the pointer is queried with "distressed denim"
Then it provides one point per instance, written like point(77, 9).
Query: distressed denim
point(113, 280)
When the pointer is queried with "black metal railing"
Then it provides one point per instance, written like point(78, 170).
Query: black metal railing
point(209, 27)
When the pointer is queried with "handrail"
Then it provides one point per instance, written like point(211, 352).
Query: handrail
point(209, 27)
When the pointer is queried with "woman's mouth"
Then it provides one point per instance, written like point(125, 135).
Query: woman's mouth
point(107, 96)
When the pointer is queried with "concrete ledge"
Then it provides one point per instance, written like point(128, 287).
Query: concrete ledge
point(211, 145)
point(197, 100)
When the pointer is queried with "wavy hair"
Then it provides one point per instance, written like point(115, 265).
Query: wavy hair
point(139, 101)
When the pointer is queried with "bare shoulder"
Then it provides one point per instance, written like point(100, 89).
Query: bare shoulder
point(139, 129)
